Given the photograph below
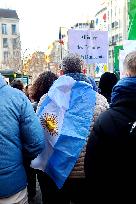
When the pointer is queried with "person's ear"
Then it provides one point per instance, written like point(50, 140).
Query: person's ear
point(126, 73)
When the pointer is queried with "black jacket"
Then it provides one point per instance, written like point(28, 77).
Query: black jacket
point(111, 153)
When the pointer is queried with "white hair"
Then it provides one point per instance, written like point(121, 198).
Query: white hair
point(130, 63)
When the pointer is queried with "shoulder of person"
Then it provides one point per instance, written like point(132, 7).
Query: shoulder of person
point(101, 102)
point(16, 94)
point(40, 102)
point(101, 99)
point(101, 106)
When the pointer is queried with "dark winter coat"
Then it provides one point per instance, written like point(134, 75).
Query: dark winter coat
point(111, 151)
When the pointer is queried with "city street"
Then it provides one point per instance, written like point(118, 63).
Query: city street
point(67, 101)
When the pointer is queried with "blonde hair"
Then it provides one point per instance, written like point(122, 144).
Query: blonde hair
point(130, 63)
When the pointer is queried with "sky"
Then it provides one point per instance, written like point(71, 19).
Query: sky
point(40, 19)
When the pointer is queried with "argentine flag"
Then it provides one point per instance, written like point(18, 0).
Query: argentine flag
point(66, 114)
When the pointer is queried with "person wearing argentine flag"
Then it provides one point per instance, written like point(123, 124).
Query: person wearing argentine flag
point(67, 114)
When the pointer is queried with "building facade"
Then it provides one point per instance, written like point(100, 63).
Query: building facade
point(58, 50)
point(84, 25)
point(117, 26)
point(10, 46)
point(116, 23)
point(101, 21)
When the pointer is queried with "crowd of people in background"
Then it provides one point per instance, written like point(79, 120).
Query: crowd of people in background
point(104, 170)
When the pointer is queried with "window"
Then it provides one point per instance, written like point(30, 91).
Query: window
point(116, 38)
point(14, 43)
point(114, 24)
point(110, 54)
point(113, 40)
point(120, 37)
point(5, 56)
point(80, 25)
point(16, 53)
point(5, 42)
point(14, 29)
point(92, 24)
point(4, 29)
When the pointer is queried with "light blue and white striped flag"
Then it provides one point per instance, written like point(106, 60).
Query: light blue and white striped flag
point(66, 114)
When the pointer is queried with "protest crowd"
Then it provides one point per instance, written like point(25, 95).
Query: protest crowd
point(74, 137)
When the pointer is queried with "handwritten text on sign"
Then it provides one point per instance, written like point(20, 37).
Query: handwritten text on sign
point(92, 46)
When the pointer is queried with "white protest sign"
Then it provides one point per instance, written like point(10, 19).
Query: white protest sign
point(91, 45)
point(128, 46)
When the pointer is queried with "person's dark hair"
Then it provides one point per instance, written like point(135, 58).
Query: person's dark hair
point(27, 90)
point(18, 84)
point(106, 84)
point(72, 63)
point(42, 85)
point(107, 81)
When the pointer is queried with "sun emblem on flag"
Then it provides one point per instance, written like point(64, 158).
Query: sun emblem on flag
point(50, 122)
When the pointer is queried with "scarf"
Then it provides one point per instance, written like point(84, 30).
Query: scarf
point(79, 77)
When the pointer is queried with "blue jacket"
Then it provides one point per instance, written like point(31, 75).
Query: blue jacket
point(20, 131)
